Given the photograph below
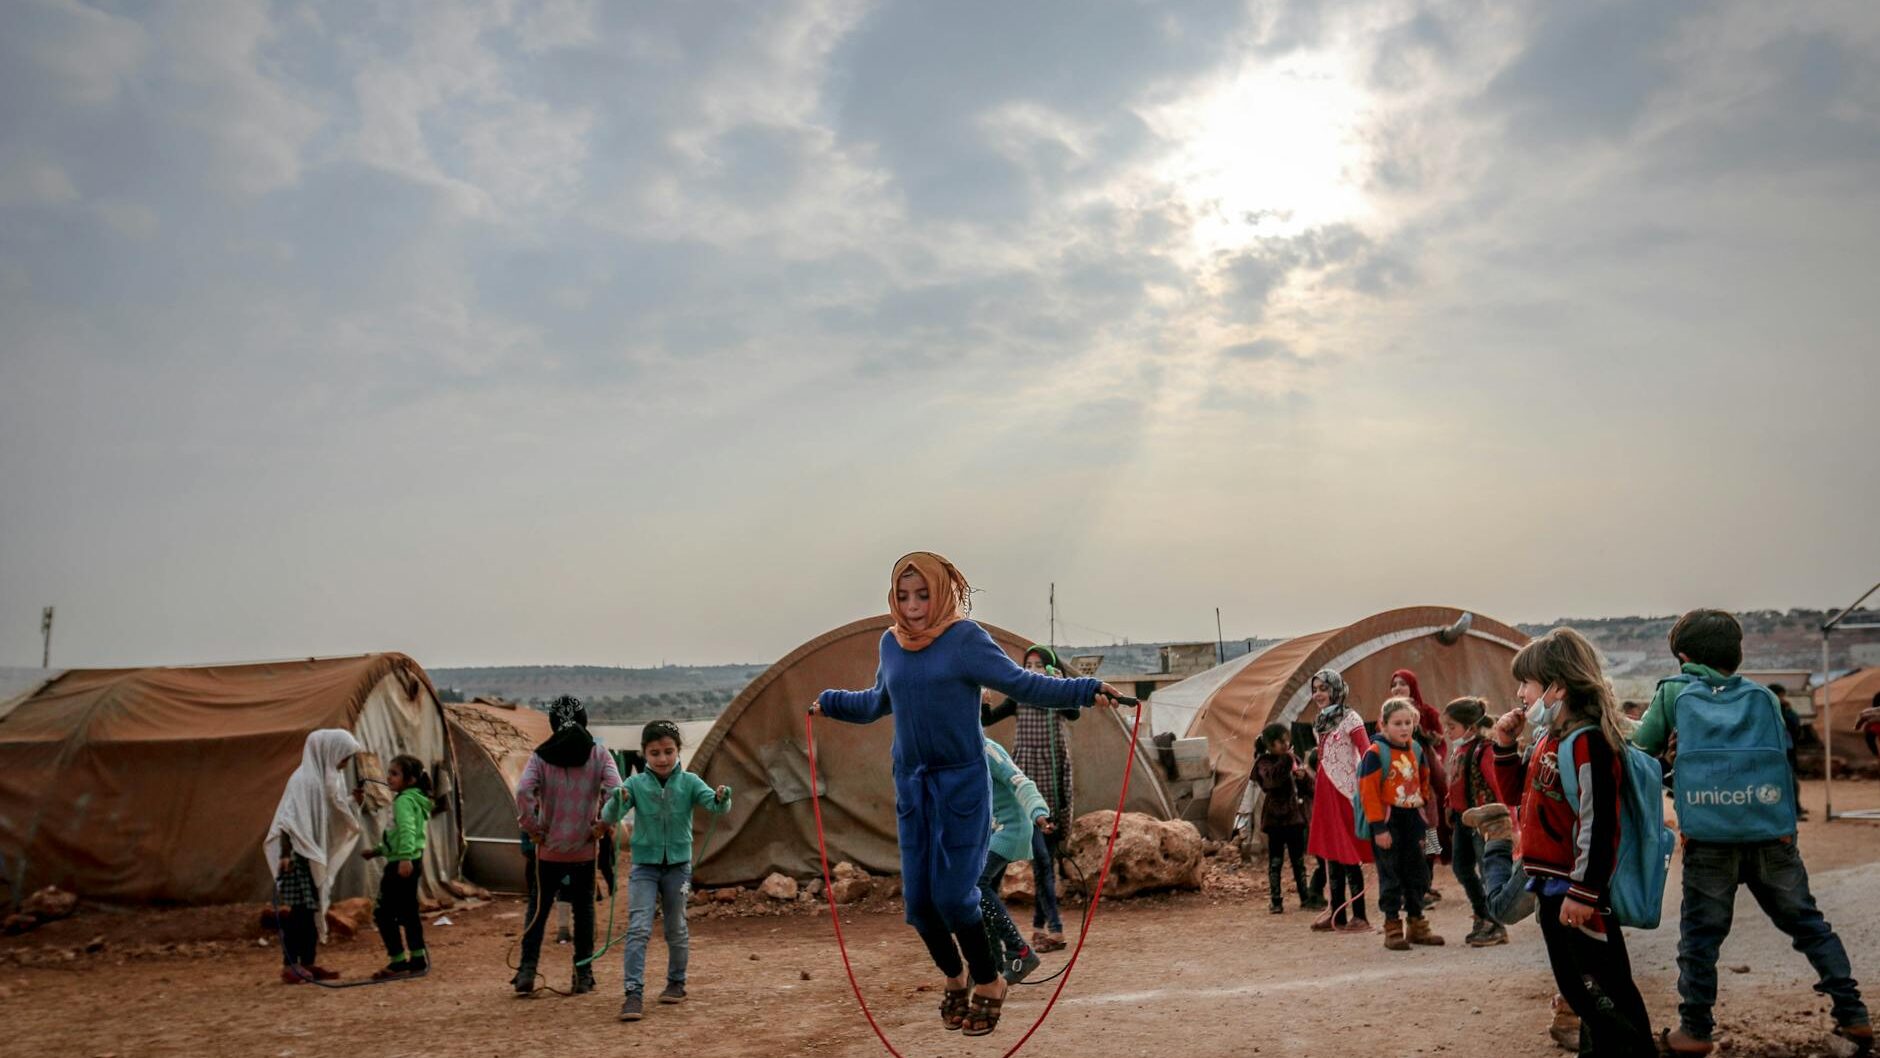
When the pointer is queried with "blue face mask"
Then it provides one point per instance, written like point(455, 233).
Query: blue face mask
point(1541, 712)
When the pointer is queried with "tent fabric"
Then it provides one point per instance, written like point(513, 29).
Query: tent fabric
point(1273, 686)
point(1849, 695)
point(159, 784)
point(492, 741)
point(757, 748)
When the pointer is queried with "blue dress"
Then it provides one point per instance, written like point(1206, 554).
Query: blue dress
point(942, 787)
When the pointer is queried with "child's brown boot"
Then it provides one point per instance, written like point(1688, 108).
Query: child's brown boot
point(1491, 821)
point(1420, 933)
point(1565, 1031)
point(1393, 935)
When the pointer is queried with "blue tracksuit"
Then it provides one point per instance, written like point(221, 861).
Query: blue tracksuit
point(942, 788)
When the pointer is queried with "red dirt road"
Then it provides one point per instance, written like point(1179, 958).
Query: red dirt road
point(1197, 975)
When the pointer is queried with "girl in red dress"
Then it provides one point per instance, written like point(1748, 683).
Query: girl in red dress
point(1342, 742)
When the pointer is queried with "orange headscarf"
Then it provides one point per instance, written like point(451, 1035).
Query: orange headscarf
point(946, 587)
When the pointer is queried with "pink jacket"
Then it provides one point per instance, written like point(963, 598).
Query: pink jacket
point(558, 806)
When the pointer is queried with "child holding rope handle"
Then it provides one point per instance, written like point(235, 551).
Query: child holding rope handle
point(662, 799)
point(933, 663)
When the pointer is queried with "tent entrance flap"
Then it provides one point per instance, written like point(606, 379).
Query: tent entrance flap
point(787, 765)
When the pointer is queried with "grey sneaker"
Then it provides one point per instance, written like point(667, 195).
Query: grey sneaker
point(1019, 967)
point(630, 1007)
point(674, 993)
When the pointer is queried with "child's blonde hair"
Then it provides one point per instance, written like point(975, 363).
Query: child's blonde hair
point(1564, 657)
point(1394, 705)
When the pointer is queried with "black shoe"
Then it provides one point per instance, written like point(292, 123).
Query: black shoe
point(630, 1007)
point(420, 964)
point(674, 993)
point(583, 982)
point(1276, 909)
point(524, 980)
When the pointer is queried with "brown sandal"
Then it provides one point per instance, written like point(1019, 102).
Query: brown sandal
point(983, 1017)
point(953, 1008)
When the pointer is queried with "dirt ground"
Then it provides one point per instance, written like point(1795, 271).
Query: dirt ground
point(1195, 974)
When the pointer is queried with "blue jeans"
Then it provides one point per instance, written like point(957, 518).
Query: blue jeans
point(1505, 893)
point(1466, 861)
point(1044, 910)
point(1779, 882)
point(667, 886)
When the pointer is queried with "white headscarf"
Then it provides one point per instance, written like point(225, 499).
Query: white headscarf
point(316, 814)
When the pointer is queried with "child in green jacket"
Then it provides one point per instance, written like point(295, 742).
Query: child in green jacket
point(402, 847)
point(1017, 807)
point(662, 799)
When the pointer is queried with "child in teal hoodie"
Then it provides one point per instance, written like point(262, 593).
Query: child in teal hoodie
point(402, 847)
point(1017, 807)
point(662, 799)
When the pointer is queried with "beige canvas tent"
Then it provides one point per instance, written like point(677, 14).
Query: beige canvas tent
point(1453, 653)
point(757, 747)
point(158, 784)
point(492, 741)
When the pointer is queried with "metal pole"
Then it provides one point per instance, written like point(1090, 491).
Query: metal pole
point(1054, 617)
point(1827, 736)
point(1220, 643)
point(45, 630)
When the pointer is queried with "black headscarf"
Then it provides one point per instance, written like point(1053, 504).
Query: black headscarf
point(570, 745)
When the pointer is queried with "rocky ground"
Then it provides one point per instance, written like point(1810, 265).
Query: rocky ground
point(1200, 973)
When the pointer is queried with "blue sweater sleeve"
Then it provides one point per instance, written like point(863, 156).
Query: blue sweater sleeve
point(988, 666)
point(857, 707)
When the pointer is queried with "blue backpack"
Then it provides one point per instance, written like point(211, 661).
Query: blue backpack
point(1732, 782)
point(1360, 823)
point(1637, 892)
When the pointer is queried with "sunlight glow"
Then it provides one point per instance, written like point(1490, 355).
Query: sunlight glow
point(1274, 152)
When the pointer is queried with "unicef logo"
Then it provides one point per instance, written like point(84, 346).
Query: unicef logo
point(1769, 793)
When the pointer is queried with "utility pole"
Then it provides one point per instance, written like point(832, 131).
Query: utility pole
point(45, 630)
point(1220, 643)
point(1054, 617)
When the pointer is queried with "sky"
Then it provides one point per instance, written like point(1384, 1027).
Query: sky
point(610, 333)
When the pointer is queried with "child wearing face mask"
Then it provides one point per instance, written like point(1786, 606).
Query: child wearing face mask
point(1569, 850)
point(1470, 785)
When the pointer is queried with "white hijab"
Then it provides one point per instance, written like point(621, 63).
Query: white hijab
point(316, 814)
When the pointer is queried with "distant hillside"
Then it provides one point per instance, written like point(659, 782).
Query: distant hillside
point(1634, 648)
point(612, 695)
point(1772, 639)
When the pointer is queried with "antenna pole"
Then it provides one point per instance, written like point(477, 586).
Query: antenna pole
point(45, 630)
point(1220, 642)
point(1054, 615)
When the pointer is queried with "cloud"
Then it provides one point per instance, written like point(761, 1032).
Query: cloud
point(1262, 350)
point(620, 283)
point(79, 53)
point(34, 182)
point(1587, 70)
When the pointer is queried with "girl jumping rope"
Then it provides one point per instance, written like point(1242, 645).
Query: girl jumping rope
point(933, 665)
